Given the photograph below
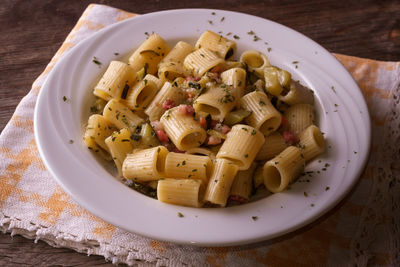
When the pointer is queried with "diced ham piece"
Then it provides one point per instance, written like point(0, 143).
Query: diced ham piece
point(225, 129)
point(213, 140)
point(237, 199)
point(203, 122)
point(168, 104)
point(192, 79)
point(185, 109)
point(290, 138)
point(217, 69)
point(162, 136)
point(156, 125)
point(283, 122)
point(222, 128)
point(171, 147)
point(214, 123)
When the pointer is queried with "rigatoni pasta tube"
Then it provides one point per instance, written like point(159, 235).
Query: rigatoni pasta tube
point(145, 165)
point(273, 145)
point(219, 185)
point(201, 61)
point(221, 46)
point(235, 78)
point(216, 101)
point(158, 82)
point(242, 184)
point(171, 66)
point(141, 94)
point(241, 145)
point(312, 142)
point(119, 145)
point(183, 130)
point(121, 116)
point(168, 92)
point(264, 116)
point(186, 166)
point(93, 146)
point(116, 81)
point(255, 61)
point(98, 129)
point(299, 117)
point(297, 94)
point(149, 54)
point(184, 192)
point(283, 169)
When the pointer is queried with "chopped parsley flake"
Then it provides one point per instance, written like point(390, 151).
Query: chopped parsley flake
point(327, 188)
point(255, 218)
point(305, 194)
point(65, 98)
point(180, 215)
point(71, 141)
point(96, 61)
point(236, 37)
point(253, 132)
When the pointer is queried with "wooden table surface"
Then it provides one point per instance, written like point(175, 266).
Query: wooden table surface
point(32, 31)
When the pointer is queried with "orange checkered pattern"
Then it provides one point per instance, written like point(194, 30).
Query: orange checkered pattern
point(358, 231)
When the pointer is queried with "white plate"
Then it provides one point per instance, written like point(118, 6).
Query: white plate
point(342, 116)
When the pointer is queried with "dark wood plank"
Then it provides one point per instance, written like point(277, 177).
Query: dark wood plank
point(32, 31)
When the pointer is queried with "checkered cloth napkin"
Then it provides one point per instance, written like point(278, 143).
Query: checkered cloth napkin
point(363, 229)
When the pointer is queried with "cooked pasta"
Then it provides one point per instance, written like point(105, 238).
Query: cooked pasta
point(187, 166)
point(283, 169)
point(299, 117)
point(149, 54)
point(119, 145)
point(255, 61)
point(264, 116)
point(241, 145)
point(183, 130)
point(220, 183)
point(201, 61)
point(221, 46)
point(145, 165)
point(169, 92)
point(181, 192)
point(312, 142)
point(116, 81)
point(192, 126)
point(171, 67)
point(216, 101)
point(121, 116)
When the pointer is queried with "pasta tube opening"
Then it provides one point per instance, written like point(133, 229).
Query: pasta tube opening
point(274, 181)
point(270, 125)
point(213, 111)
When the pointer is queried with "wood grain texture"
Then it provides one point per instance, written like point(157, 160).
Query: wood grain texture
point(32, 31)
